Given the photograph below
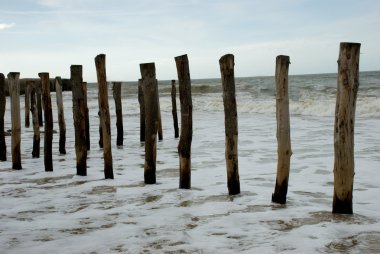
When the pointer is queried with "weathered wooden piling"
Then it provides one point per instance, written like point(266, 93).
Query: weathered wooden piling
point(39, 103)
point(48, 117)
point(100, 63)
point(14, 91)
point(3, 146)
point(142, 111)
point(149, 86)
point(344, 168)
point(186, 135)
point(87, 116)
point(119, 112)
point(284, 150)
point(174, 110)
point(100, 129)
point(27, 104)
point(79, 116)
point(61, 116)
point(35, 121)
point(159, 121)
point(227, 64)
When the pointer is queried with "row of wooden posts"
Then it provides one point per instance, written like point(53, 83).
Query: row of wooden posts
point(150, 121)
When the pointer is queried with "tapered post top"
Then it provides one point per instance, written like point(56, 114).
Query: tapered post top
point(148, 70)
point(13, 75)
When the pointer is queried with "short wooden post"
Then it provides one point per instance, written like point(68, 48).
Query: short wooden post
point(35, 121)
point(174, 110)
point(100, 63)
point(159, 121)
point(27, 104)
point(61, 116)
point(48, 116)
point(284, 150)
point(87, 116)
point(231, 123)
point(14, 91)
point(348, 85)
point(39, 103)
point(3, 146)
point(142, 111)
point(149, 86)
point(119, 112)
point(79, 119)
point(186, 135)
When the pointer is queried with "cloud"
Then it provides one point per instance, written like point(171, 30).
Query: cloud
point(4, 26)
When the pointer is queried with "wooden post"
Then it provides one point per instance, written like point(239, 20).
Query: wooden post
point(119, 112)
point(100, 129)
point(14, 91)
point(348, 85)
point(284, 150)
point(186, 136)
point(149, 86)
point(100, 63)
point(87, 117)
point(142, 111)
point(35, 121)
point(79, 116)
point(27, 104)
point(231, 123)
point(48, 116)
point(159, 121)
point(61, 116)
point(39, 103)
point(3, 146)
point(174, 110)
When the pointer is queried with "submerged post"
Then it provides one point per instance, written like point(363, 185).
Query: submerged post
point(14, 91)
point(227, 63)
point(159, 121)
point(79, 119)
point(3, 146)
point(284, 150)
point(174, 110)
point(348, 85)
point(87, 117)
point(48, 116)
point(142, 111)
point(119, 112)
point(61, 116)
point(27, 104)
point(186, 135)
point(100, 63)
point(149, 86)
point(39, 103)
point(35, 121)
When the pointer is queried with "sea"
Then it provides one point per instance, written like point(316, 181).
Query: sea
point(60, 212)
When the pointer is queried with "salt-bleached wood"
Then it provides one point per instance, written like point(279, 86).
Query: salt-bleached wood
point(284, 150)
point(231, 123)
point(344, 166)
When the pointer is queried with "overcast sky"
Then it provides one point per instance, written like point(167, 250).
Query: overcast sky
point(50, 35)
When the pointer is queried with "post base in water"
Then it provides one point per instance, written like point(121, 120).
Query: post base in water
point(342, 206)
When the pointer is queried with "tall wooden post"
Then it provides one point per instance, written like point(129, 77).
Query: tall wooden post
point(348, 85)
point(79, 116)
point(87, 116)
point(186, 136)
point(35, 121)
point(159, 121)
point(3, 146)
point(142, 111)
point(231, 123)
point(174, 110)
point(149, 86)
point(100, 63)
point(61, 116)
point(284, 150)
point(39, 103)
point(119, 112)
point(14, 91)
point(48, 116)
point(27, 104)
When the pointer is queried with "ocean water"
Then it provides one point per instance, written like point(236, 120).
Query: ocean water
point(46, 212)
